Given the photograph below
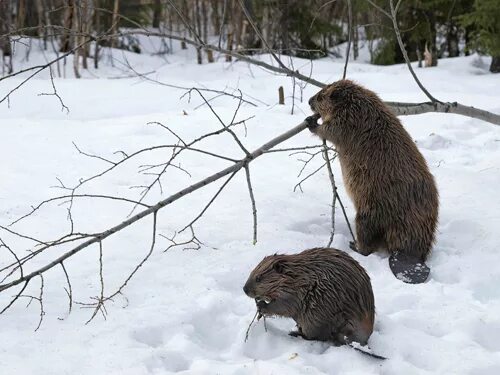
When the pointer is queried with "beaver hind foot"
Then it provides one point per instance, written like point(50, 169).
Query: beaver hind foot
point(408, 269)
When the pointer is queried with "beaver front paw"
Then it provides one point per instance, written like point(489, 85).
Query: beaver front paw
point(312, 122)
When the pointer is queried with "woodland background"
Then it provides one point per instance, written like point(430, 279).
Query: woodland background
point(430, 29)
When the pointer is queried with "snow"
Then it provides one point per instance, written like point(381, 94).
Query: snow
point(185, 311)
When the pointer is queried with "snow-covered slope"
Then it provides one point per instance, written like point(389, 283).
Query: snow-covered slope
point(185, 311)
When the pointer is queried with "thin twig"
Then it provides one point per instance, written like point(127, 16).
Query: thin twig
point(250, 325)
point(69, 291)
point(209, 203)
point(334, 190)
point(254, 206)
point(349, 36)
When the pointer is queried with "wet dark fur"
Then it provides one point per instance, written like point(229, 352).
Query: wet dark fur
point(387, 178)
point(326, 292)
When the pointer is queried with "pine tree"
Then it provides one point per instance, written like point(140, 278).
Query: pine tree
point(485, 20)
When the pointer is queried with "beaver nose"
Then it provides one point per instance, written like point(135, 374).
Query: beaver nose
point(246, 289)
point(311, 101)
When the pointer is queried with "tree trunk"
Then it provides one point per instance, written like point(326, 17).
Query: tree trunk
point(21, 13)
point(68, 24)
point(468, 39)
point(40, 14)
point(5, 26)
point(215, 15)
point(185, 12)
point(452, 41)
point(97, 28)
point(204, 13)
point(197, 27)
point(266, 30)
point(229, 46)
point(431, 19)
point(237, 21)
point(284, 25)
point(355, 40)
point(210, 56)
point(87, 12)
point(114, 22)
point(249, 33)
point(495, 64)
point(76, 40)
point(156, 13)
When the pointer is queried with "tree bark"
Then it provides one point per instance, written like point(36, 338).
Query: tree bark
point(97, 28)
point(229, 58)
point(284, 25)
point(21, 13)
point(197, 27)
point(5, 26)
point(215, 15)
point(204, 19)
point(77, 40)
point(114, 22)
point(156, 13)
point(452, 41)
point(210, 56)
point(69, 13)
point(495, 64)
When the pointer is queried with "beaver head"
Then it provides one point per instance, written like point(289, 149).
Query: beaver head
point(271, 285)
point(332, 98)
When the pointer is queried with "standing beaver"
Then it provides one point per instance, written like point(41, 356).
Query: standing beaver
point(326, 292)
point(385, 175)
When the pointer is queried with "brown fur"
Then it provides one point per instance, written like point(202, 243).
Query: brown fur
point(326, 292)
point(385, 175)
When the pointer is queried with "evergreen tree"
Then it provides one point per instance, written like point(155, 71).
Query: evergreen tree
point(485, 20)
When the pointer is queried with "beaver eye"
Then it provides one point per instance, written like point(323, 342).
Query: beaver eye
point(258, 278)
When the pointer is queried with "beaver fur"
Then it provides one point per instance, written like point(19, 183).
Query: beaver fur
point(384, 173)
point(326, 292)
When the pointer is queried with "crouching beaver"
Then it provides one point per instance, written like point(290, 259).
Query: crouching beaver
point(385, 175)
point(326, 292)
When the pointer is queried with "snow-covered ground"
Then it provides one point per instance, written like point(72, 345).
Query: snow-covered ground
point(185, 311)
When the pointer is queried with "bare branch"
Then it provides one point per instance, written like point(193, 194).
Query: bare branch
point(71, 196)
point(209, 203)
point(334, 190)
point(69, 291)
point(193, 241)
point(55, 93)
point(16, 297)
point(407, 109)
point(153, 209)
point(349, 33)
point(345, 215)
point(153, 241)
point(254, 206)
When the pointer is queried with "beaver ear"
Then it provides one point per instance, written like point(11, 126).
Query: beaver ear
point(335, 95)
point(279, 266)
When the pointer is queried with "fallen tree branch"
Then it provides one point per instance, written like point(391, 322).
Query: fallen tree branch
point(407, 109)
point(99, 237)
